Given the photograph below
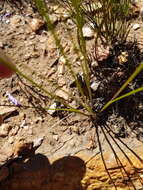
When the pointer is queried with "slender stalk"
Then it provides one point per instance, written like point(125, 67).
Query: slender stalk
point(121, 97)
point(41, 5)
point(114, 99)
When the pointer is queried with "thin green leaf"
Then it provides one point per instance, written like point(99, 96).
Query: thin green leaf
point(136, 72)
point(121, 97)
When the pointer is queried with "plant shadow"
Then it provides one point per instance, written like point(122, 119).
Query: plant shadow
point(37, 173)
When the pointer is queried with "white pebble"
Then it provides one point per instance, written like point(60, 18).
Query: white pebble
point(136, 26)
point(52, 108)
point(87, 31)
point(94, 86)
point(38, 142)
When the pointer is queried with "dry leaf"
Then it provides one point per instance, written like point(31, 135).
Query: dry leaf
point(102, 53)
point(123, 57)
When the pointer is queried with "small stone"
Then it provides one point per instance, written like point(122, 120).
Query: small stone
point(7, 21)
point(136, 26)
point(11, 140)
point(61, 69)
point(102, 52)
point(4, 173)
point(61, 82)
point(32, 37)
point(94, 85)
point(82, 58)
point(39, 119)
point(66, 15)
point(87, 31)
point(62, 60)
point(53, 18)
point(55, 7)
point(56, 137)
point(38, 142)
point(123, 57)
point(70, 23)
point(52, 108)
point(6, 111)
point(22, 147)
point(14, 131)
point(75, 129)
point(1, 45)
point(63, 93)
point(4, 129)
point(23, 123)
point(15, 20)
point(26, 127)
point(94, 64)
point(36, 24)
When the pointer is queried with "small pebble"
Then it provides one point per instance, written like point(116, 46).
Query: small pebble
point(53, 18)
point(94, 64)
point(4, 129)
point(63, 93)
point(36, 24)
point(1, 45)
point(52, 108)
point(87, 31)
point(15, 20)
point(61, 68)
point(26, 127)
point(38, 142)
point(94, 85)
point(11, 140)
point(136, 26)
point(56, 137)
point(7, 21)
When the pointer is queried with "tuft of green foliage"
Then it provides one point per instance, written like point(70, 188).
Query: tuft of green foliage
point(114, 13)
point(110, 20)
point(108, 17)
point(111, 25)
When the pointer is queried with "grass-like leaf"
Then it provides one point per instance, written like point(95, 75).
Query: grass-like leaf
point(130, 79)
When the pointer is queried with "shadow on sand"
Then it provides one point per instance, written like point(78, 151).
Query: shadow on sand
point(36, 173)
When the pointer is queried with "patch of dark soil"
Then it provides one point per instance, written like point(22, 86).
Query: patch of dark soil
point(111, 75)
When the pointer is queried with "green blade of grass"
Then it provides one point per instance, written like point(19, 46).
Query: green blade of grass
point(69, 110)
point(114, 99)
point(80, 21)
point(135, 73)
point(121, 97)
point(8, 62)
point(41, 5)
point(51, 95)
point(69, 93)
